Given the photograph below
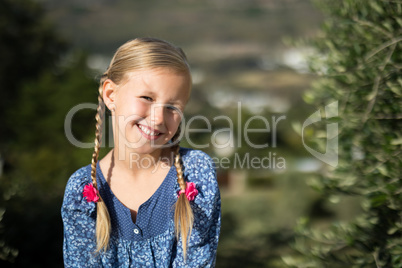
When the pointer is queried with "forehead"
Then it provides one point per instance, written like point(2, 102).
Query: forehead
point(162, 81)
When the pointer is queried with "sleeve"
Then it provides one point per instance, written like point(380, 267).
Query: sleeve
point(203, 243)
point(79, 221)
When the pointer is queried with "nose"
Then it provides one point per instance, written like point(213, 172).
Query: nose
point(157, 114)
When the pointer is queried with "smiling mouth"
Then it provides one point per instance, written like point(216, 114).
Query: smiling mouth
point(148, 131)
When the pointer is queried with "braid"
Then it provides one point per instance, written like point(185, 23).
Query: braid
point(98, 137)
point(183, 215)
point(102, 215)
point(177, 163)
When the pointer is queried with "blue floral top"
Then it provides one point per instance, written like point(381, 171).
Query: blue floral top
point(150, 241)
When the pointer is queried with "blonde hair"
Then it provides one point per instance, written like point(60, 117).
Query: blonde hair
point(141, 54)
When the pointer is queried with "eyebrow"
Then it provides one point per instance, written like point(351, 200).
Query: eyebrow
point(147, 92)
point(177, 104)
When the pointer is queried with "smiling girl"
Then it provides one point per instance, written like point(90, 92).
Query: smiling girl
point(148, 202)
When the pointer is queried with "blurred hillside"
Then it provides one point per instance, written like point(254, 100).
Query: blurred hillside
point(100, 26)
point(231, 45)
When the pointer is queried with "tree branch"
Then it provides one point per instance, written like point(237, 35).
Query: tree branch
point(383, 46)
point(377, 83)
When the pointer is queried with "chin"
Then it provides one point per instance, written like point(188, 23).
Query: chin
point(147, 149)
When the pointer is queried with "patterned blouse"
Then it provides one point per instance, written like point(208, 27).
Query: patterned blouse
point(150, 241)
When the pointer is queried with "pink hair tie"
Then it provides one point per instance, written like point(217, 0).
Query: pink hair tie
point(191, 191)
point(90, 193)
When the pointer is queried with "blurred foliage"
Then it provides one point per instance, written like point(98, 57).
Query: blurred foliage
point(41, 82)
point(28, 46)
point(360, 63)
point(257, 224)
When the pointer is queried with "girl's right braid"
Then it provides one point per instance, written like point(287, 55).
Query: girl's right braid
point(183, 215)
point(103, 225)
point(179, 170)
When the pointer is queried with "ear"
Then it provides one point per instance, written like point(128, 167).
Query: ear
point(109, 93)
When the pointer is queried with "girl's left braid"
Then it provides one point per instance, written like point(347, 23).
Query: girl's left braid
point(98, 137)
point(103, 224)
point(98, 132)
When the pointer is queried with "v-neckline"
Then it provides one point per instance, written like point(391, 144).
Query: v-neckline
point(128, 210)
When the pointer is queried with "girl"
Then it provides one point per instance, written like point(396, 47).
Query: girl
point(148, 202)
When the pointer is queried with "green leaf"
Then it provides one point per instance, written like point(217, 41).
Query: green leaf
point(379, 200)
point(383, 170)
point(397, 90)
point(296, 126)
point(399, 21)
point(396, 141)
point(376, 7)
point(392, 230)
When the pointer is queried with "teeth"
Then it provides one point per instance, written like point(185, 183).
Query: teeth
point(147, 131)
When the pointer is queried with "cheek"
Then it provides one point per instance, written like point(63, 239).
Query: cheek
point(174, 122)
point(134, 109)
point(141, 109)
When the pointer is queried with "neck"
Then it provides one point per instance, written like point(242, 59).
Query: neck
point(135, 162)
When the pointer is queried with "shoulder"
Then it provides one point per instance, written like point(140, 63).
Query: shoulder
point(199, 168)
point(196, 159)
point(73, 197)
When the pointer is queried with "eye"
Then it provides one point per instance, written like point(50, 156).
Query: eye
point(173, 108)
point(146, 98)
